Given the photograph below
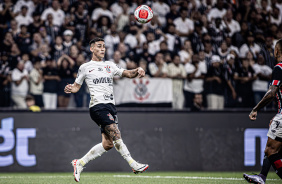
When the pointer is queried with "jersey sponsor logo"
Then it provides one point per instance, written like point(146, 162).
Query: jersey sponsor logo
point(108, 69)
point(111, 117)
point(102, 80)
point(91, 70)
point(108, 96)
point(141, 91)
point(100, 69)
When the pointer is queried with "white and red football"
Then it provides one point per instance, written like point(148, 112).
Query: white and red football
point(143, 14)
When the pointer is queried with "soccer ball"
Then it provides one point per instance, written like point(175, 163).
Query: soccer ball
point(143, 14)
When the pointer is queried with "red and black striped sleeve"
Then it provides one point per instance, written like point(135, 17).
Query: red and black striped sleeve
point(277, 75)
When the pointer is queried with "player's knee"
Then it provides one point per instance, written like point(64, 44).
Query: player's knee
point(108, 146)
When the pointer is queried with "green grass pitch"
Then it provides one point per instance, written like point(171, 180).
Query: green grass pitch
point(130, 178)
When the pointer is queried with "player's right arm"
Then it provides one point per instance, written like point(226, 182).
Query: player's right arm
point(73, 88)
point(271, 93)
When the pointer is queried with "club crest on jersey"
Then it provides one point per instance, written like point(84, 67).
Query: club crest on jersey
point(108, 69)
point(110, 117)
point(141, 90)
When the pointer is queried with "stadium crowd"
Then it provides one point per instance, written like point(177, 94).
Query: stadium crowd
point(219, 54)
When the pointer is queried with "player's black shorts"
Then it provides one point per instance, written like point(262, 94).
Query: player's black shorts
point(104, 114)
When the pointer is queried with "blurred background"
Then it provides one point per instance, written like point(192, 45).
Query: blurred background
point(207, 64)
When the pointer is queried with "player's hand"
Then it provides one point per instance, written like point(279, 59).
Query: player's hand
point(68, 88)
point(253, 115)
point(141, 72)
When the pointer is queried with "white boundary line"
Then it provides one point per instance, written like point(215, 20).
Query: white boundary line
point(179, 177)
point(184, 177)
point(130, 176)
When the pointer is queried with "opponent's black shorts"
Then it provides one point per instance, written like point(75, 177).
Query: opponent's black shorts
point(104, 114)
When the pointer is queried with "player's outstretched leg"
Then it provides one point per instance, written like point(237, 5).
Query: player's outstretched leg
point(78, 164)
point(122, 149)
point(261, 178)
point(114, 133)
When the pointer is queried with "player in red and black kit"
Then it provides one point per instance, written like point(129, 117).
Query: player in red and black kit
point(274, 142)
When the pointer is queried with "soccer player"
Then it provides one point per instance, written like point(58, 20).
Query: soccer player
point(98, 75)
point(274, 142)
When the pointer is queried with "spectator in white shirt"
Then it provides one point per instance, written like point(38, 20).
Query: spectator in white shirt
point(23, 18)
point(28, 3)
point(177, 73)
point(173, 40)
point(27, 63)
point(231, 24)
point(36, 83)
point(275, 17)
point(186, 52)
point(19, 86)
point(116, 7)
point(111, 41)
point(118, 61)
point(103, 11)
point(123, 19)
point(278, 4)
point(55, 10)
point(153, 45)
point(194, 83)
point(249, 46)
point(36, 44)
point(260, 85)
point(135, 38)
point(158, 68)
point(218, 11)
point(184, 25)
point(161, 9)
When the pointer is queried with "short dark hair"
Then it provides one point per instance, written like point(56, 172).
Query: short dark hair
point(96, 40)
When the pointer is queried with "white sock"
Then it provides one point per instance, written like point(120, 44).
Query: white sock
point(122, 149)
point(94, 152)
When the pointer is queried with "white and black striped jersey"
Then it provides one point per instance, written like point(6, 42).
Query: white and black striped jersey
point(98, 76)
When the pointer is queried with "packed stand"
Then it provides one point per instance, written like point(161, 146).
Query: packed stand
point(219, 54)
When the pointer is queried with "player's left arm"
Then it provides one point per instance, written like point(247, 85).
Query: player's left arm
point(268, 97)
point(137, 72)
point(72, 88)
point(271, 93)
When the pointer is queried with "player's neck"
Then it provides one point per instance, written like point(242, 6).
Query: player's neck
point(95, 58)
